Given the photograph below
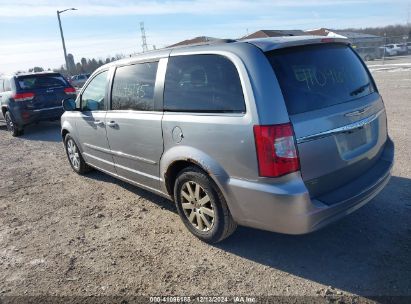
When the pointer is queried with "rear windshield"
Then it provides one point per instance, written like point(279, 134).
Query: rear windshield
point(319, 76)
point(41, 81)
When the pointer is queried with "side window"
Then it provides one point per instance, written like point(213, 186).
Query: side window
point(93, 97)
point(203, 83)
point(7, 86)
point(133, 87)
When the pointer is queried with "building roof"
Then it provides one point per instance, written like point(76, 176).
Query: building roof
point(274, 33)
point(335, 33)
point(355, 35)
point(195, 40)
point(320, 31)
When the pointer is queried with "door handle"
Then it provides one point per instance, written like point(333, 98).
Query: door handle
point(99, 123)
point(112, 124)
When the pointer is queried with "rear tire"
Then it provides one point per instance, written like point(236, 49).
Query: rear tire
point(74, 156)
point(202, 206)
point(12, 127)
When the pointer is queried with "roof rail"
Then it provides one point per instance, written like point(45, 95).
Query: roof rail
point(210, 42)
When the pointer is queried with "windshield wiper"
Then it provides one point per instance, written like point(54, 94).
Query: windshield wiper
point(360, 89)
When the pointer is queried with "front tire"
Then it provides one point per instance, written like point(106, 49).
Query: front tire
point(12, 127)
point(202, 206)
point(74, 156)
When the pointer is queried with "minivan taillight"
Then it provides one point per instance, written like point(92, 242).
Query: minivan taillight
point(23, 96)
point(70, 90)
point(276, 151)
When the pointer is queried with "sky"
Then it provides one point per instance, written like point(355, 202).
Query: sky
point(30, 34)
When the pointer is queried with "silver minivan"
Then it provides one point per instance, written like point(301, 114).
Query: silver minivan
point(283, 134)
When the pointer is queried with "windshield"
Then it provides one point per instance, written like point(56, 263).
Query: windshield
point(41, 81)
point(319, 76)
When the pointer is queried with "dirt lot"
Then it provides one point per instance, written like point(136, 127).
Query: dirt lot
point(62, 234)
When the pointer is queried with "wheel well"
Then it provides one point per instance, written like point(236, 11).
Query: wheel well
point(4, 110)
point(174, 169)
point(64, 133)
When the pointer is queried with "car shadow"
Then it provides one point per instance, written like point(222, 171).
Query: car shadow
point(367, 253)
point(152, 197)
point(43, 131)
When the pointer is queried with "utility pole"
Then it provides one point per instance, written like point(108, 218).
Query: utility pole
point(61, 33)
point(385, 43)
point(143, 37)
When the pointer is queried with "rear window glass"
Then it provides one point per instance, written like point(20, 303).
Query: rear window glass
point(319, 76)
point(44, 81)
point(203, 83)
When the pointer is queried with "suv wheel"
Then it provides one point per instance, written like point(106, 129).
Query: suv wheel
point(74, 156)
point(11, 125)
point(202, 206)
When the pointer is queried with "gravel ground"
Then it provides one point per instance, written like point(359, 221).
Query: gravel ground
point(64, 234)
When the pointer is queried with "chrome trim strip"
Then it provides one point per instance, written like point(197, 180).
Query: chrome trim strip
point(137, 172)
point(159, 192)
point(347, 128)
point(359, 112)
point(47, 109)
point(97, 148)
point(98, 159)
point(122, 167)
point(121, 154)
point(145, 160)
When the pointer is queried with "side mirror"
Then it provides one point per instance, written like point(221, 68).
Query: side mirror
point(69, 104)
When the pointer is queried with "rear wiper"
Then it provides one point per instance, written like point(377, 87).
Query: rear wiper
point(360, 89)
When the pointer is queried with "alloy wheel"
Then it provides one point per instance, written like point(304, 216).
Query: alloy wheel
point(197, 206)
point(73, 154)
point(9, 123)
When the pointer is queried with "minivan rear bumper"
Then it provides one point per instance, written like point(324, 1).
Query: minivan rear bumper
point(288, 208)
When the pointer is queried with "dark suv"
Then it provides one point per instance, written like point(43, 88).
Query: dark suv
point(34, 97)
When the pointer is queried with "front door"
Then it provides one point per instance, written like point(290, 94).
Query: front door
point(91, 124)
point(134, 125)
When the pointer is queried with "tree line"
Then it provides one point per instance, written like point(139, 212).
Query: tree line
point(393, 32)
point(85, 66)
